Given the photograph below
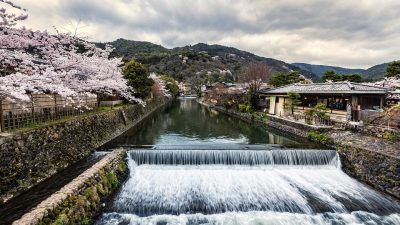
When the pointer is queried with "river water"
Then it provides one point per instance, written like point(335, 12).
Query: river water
point(207, 168)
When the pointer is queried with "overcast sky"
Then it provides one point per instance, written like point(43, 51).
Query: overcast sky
point(348, 33)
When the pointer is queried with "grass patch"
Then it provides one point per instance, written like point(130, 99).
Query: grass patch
point(389, 136)
point(320, 137)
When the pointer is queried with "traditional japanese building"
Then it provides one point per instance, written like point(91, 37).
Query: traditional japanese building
point(341, 98)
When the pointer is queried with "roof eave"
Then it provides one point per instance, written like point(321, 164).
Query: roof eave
point(329, 92)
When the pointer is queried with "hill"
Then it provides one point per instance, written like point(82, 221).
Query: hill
point(319, 70)
point(374, 73)
point(183, 63)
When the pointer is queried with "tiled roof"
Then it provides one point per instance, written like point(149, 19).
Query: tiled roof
point(328, 88)
point(394, 95)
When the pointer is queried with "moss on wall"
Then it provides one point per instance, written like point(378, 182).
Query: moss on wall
point(82, 207)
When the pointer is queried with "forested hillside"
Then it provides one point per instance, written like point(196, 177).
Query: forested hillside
point(216, 61)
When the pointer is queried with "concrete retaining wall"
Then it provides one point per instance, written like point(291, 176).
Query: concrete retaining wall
point(82, 199)
point(28, 157)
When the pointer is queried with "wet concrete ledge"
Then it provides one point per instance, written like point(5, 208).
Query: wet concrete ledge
point(83, 198)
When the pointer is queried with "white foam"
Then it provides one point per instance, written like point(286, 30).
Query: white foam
point(171, 189)
point(252, 218)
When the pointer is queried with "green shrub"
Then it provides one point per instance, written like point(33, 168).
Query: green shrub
point(249, 108)
point(242, 108)
point(245, 108)
point(61, 220)
point(85, 221)
point(318, 111)
point(389, 136)
point(122, 166)
point(320, 137)
point(113, 179)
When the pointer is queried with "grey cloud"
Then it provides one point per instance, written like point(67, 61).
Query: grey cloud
point(291, 30)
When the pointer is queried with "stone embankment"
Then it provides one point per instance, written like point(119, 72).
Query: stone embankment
point(28, 157)
point(368, 158)
point(83, 198)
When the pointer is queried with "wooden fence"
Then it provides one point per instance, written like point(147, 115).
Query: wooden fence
point(318, 121)
point(42, 108)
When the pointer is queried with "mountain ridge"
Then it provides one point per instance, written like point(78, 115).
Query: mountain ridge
point(185, 62)
point(373, 73)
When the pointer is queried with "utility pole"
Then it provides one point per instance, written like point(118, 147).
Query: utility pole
point(2, 128)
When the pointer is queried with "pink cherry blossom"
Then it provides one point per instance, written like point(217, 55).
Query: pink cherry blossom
point(37, 62)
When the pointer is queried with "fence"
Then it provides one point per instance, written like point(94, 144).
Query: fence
point(43, 108)
point(318, 121)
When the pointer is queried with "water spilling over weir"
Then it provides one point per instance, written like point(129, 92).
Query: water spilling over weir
point(234, 157)
point(214, 184)
point(211, 170)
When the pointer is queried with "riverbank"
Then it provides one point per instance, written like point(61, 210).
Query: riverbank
point(30, 156)
point(372, 160)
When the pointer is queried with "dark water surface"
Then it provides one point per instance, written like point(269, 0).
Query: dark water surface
point(187, 122)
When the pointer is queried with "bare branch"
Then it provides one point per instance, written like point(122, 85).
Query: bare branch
point(254, 74)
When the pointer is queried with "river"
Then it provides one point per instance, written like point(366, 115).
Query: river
point(191, 165)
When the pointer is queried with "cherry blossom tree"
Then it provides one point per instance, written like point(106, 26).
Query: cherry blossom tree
point(391, 83)
point(38, 62)
point(159, 86)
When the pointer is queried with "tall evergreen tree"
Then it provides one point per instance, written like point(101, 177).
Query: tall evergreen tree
point(393, 69)
point(138, 78)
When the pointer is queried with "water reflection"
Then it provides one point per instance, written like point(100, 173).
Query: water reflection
point(187, 122)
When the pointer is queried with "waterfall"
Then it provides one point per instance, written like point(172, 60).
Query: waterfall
point(235, 157)
point(222, 181)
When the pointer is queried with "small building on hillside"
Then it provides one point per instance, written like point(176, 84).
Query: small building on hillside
point(186, 89)
point(341, 98)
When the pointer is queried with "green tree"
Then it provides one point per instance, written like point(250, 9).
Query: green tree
point(171, 85)
point(319, 111)
point(331, 75)
point(292, 101)
point(138, 78)
point(281, 79)
point(352, 77)
point(393, 69)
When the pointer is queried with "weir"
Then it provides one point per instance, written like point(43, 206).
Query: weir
point(235, 157)
point(221, 180)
